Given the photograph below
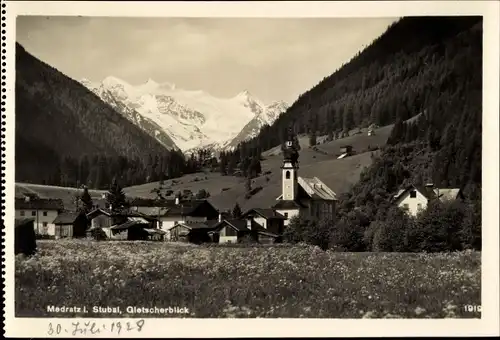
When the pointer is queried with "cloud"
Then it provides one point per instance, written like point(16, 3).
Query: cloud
point(272, 58)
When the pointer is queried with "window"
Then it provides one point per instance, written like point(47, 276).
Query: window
point(406, 206)
point(287, 175)
point(419, 206)
point(286, 215)
point(33, 213)
point(413, 194)
point(44, 213)
point(21, 212)
point(44, 224)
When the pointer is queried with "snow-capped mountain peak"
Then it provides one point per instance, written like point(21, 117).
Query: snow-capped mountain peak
point(193, 119)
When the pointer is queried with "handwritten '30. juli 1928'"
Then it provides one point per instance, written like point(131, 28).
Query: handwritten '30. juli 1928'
point(76, 328)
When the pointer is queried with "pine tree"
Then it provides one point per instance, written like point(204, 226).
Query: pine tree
point(237, 211)
point(116, 197)
point(86, 200)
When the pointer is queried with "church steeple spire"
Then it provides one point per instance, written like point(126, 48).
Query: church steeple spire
point(290, 166)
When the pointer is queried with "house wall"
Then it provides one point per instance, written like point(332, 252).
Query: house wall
point(275, 226)
point(167, 222)
point(412, 204)
point(228, 232)
point(261, 221)
point(101, 221)
point(289, 213)
point(43, 224)
point(174, 233)
point(228, 239)
point(63, 231)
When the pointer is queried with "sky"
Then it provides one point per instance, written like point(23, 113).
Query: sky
point(272, 58)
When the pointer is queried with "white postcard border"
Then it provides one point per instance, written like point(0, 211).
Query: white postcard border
point(488, 325)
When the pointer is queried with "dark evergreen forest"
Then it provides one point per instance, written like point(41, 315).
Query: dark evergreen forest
point(65, 135)
point(425, 66)
point(429, 68)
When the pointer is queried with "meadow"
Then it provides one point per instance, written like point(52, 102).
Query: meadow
point(215, 281)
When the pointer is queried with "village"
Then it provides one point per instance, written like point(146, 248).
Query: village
point(196, 220)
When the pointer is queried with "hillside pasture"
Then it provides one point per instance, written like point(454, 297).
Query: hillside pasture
point(213, 182)
point(66, 194)
point(338, 174)
point(220, 282)
point(358, 138)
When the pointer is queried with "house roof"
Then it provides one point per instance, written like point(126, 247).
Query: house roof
point(67, 217)
point(267, 213)
point(288, 204)
point(155, 231)
point(22, 221)
point(167, 207)
point(131, 222)
point(97, 212)
point(151, 211)
point(316, 189)
point(238, 224)
point(431, 193)
point(448, 193)
point(197, 225)
point(39, 204)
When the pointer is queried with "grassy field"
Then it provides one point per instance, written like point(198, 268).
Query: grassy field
point(66, 194)
point(243, 281)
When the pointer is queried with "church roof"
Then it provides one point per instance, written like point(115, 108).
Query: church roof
point(287, 204)
point(316, 189)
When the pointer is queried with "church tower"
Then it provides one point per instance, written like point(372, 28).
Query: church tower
point(290, 169)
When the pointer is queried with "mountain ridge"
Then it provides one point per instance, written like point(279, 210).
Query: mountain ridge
point(191, 119)
point(60, 123)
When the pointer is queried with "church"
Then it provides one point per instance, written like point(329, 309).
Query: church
point(300, 195)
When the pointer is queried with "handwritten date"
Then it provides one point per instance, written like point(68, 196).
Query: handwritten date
point(92, 327)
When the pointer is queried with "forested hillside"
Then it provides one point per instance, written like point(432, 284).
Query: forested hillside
point(65, 135)
point(430, 66)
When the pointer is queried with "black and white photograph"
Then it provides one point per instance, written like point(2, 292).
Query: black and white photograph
point(249, 167)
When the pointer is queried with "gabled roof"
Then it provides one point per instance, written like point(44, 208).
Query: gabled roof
point(131, 222)
point(39, 204)
point(266, 213)
point(431, 193)
point(316, 189)
point(66, 218)
point(237, 224)
point(97, 212)
point(151, 211)
point(155, 231)
point(196, 225)
point(169, 207)
point(448, 193)
point(288, 204)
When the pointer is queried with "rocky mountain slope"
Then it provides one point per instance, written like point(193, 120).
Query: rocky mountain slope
point(191, 119)
point(57, 118)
